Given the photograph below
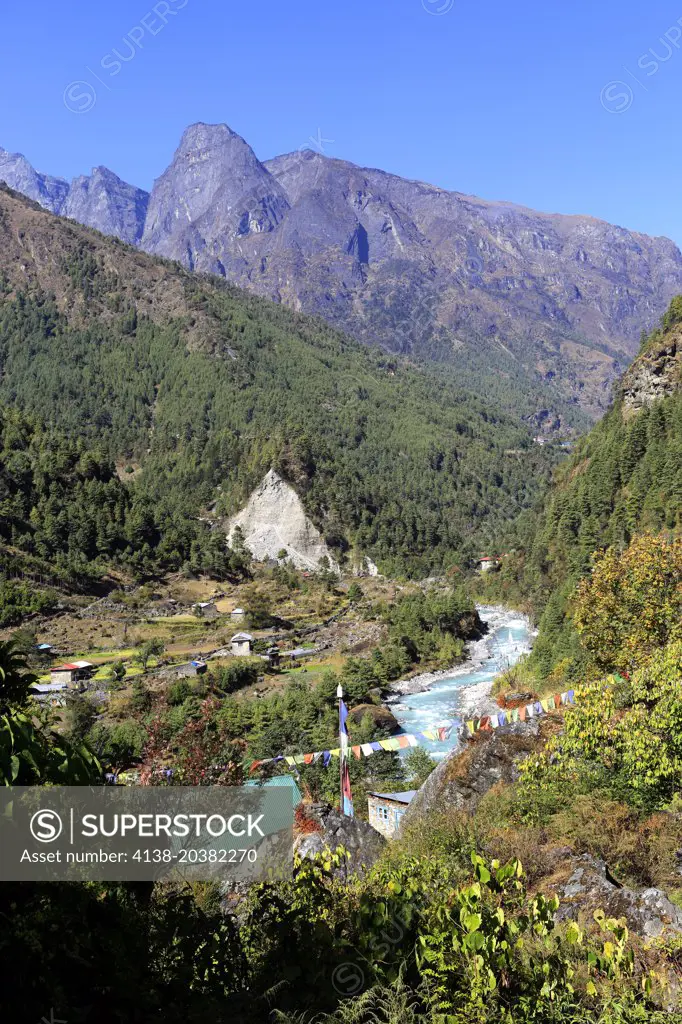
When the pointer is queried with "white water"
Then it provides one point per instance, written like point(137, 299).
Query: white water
point(465, 691)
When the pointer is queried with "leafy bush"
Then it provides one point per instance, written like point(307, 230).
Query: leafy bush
point(624, 737)
point(17, 600)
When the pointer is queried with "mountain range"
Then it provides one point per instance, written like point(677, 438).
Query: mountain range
point(557, 302)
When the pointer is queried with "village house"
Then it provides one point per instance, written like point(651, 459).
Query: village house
point(237, 614)
point(241, 644)
point(206, 610)
point(73, 674)
point(386, 811)
point(50, 693)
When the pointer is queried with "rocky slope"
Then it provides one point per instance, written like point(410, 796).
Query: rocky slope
point(624, 478)
point(655, 375)
point(558, 301)
point(582, 882)
point(274, 520)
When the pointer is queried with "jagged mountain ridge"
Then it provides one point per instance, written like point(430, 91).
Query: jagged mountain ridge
point(101, 200)
point(400, 263)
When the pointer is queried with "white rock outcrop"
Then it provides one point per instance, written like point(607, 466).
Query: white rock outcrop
point(274, 520)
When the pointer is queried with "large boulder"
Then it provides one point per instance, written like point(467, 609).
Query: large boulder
point(321, 828)
point(465, 776)
point(382, 717)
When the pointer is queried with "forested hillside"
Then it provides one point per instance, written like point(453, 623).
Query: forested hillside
point(204, 388)
point(624, 480)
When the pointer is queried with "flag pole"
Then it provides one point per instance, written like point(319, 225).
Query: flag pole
point(342, 747)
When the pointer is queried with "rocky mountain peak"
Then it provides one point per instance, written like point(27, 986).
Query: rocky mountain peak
point(554, 301)
point(17, 172)
point(201, 135)
point(215, 190)
point(105, 202)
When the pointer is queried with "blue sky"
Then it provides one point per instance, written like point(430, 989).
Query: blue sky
point(507, 101)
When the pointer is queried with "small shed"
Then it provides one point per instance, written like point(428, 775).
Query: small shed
point(285, 783)
point(237, 614)
point(186, 670)
point(51, 693)
point(273, 657)
point(386, 811)
point(241, 644)
point(73, 674)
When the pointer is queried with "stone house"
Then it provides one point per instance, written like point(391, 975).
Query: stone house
point(386, 811)
point(241, 645)
point(73, 673)
point(206, 610)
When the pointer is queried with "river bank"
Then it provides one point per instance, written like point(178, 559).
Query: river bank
point(424, 700)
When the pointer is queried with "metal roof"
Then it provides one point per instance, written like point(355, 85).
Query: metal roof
point(399, 798)
point(242, 636)
point(72, 666)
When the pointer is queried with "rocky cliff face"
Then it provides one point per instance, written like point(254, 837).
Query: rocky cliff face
point(465, 776)
point(274, 520)
point(403, 264)
point(657, 374)
point(214, 196)
point(105, 202)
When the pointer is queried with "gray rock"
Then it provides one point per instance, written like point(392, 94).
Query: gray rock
point(465, 776)
point(654, 376)
point(212, 200)
point(16, 171)
point(364, 843)
point(590, 887)
point(273, 520)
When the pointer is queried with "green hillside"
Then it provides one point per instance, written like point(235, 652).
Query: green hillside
point(623, 480)
point(206, 388)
